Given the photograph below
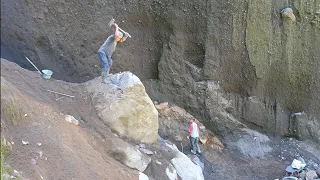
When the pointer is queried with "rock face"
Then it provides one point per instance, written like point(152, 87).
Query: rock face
point(124, 105)
point(256, 67)
point(199, 53)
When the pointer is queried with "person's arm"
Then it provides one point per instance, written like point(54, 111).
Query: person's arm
point(124, 38)
point(116, 32)
point(190, 128)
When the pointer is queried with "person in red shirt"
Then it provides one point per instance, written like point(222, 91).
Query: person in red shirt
point(194, 132)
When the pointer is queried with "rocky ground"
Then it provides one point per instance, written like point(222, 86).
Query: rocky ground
point(43, 145)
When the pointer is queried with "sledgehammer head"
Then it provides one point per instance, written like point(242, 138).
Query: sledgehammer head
point(111, 22)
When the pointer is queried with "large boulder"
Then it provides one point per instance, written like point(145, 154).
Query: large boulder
point(123, 104)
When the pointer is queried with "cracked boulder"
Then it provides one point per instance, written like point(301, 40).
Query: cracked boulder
point(123, 104)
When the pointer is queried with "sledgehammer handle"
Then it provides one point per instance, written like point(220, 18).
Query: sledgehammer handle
point(124, 32)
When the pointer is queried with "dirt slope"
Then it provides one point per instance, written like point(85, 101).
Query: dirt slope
point(32, 114)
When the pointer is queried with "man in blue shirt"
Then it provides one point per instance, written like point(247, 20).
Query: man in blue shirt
point(108, 47)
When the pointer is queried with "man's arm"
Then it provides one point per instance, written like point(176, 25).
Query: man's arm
point(124, 38)
point(190, 128)
point(116, 32)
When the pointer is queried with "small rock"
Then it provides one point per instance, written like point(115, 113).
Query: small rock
point(158, 162)
point(204, 140)
point(25, 142)
point(162, 106)
point(33, 161)
point(146, 151)
point(40, 154)
point(178, 138)
point(312, 175)
point(16, 173)
point(39, 144)
point(71, 120)
point(12, 142)
point(25, 115)
point(142, 146)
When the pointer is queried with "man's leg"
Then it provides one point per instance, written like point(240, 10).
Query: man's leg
point(193, 150)
point(191, 146)
point(104, 63)
point(197, 145)
point(109, 63)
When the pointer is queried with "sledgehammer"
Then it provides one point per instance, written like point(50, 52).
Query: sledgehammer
point(110, 24)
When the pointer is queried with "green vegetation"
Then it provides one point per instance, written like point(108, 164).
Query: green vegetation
point(10, 112)
point(4, 149)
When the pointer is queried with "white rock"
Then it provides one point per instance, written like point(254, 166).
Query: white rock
point(186, 169)
point(158, 162)
point(146, 151)
point(131, 157)
point(25, 142)
point(71, 120)
point(40, 154)
point(171, 172)
point(142, 146)
point(142, 176)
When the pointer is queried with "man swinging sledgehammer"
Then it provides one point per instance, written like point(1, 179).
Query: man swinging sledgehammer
point(109, 46)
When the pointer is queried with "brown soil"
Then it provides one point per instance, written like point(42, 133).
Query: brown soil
point(68, 151)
